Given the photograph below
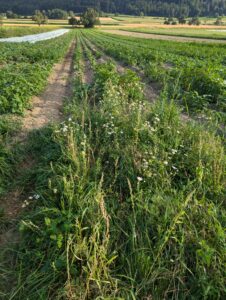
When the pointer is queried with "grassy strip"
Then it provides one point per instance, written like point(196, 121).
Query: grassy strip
point(130, 201)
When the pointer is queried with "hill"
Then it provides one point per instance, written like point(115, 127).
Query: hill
point(136, 7)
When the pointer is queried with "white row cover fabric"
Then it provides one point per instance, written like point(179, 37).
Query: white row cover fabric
point(36, 37)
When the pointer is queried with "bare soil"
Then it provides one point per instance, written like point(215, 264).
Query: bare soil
point(164, 37)
point(88, 73)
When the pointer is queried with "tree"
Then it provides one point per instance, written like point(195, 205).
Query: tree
point(90, 18)
point(167, 22)
point(1, 20)
point(141, 14)
point(40, 18)
point(11, 15)
point(73, 21)
point(71, 13)
point(57, 13)
point(194, 21)
point(182, 20)
point(219, 21)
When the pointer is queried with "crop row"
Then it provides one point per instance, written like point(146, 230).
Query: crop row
point(24, 75)
point(26, 71)
point(196, 80)
point(129, 198)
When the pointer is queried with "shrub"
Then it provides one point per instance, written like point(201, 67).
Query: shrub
point(90, 18)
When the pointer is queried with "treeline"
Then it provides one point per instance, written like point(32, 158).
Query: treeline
point(55, 13)
point(168, 8)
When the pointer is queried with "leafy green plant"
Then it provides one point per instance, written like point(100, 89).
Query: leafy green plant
point(27, 70)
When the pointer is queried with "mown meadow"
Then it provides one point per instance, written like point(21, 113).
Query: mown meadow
point(126, 199)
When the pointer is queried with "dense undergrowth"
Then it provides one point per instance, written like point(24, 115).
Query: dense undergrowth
point(128, 201)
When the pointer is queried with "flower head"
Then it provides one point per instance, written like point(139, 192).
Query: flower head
point(139, 179)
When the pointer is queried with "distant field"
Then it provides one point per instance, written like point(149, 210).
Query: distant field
point(184, 32)
point(157, 20)
point(7, 31)
point(138, 20)
point(121, 21)
point(11, 22)
point(29, 22)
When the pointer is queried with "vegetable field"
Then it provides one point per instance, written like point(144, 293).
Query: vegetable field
point(125, 198)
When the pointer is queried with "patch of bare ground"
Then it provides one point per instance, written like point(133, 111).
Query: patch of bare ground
point(88, 72)
point(46, 108)
point(163, 37)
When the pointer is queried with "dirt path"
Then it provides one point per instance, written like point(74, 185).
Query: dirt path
point(46, 108)
point(88, 72)
point(163, 37)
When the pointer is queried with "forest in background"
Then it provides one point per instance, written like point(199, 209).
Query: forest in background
point(168, 8)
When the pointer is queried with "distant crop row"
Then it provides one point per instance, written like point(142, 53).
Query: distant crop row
point(192, 74)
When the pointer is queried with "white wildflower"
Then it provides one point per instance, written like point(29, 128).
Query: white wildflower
point(139, 179)
point(25, 204)
point(152, 129)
